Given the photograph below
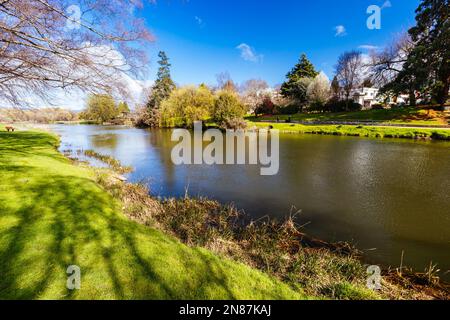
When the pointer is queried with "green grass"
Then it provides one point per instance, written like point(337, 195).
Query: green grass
point(53, 214)
point(410, 116)
point(359, 131)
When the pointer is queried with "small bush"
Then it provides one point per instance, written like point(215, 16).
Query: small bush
point(227, 107)
point(266, 107)
point(289, 109)
point(336, 105)
point(147, 118)
point(234, 124)
point(377, 107)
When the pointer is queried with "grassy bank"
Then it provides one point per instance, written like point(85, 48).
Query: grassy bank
point(279, 248)
point(358, 131)
point(406, 116)
point(53, 214)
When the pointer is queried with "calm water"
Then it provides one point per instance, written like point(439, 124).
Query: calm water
point(385, 196)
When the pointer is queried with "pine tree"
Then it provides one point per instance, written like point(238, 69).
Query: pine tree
point(161, 90)
point(303, 69)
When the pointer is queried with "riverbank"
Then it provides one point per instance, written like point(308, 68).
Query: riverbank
point(357, 131)
point(280, 250)
point(54, 214)
point(408, 116)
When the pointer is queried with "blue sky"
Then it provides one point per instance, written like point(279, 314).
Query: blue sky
point(201, 37)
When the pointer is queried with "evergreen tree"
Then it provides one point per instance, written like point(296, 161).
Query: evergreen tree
point(161, 90)
point(428, 65)
point(303, 69)
point(335, 88)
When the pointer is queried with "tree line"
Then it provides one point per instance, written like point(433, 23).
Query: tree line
point(415, 64)
point(44, 49)
point(101, 108)
point(171, 106)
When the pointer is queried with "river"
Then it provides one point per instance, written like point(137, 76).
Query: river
point(385, 196)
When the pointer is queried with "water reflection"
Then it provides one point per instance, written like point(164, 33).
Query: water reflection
point(392, 195)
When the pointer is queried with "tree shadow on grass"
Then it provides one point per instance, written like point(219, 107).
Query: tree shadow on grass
point(27, 143)
point(72, 222)
point(50, 220)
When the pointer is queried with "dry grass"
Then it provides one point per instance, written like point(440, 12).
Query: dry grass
point(331, 271)
point(110, 161)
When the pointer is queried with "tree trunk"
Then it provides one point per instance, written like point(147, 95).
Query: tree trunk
point(445, 91)
point(442, 94)
point(412, 98)
point(347, 96)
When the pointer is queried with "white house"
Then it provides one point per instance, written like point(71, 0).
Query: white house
point(366, 97)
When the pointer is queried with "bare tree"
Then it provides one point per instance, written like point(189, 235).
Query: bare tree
point(253, 92)
point(385, 65)
point(254, 85)
point(224, 82)
point(348, 71)
point(56, 44)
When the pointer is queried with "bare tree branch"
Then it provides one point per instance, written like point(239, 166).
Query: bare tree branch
point(43, 46)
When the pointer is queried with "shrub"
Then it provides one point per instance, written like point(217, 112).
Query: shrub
point(336, 105)
point(147, 118)
point(291, 108)
point(266, 107)
point(187, 105)
point(227, 107)
point(235, 124)
point(316, 106)
point(377, 107)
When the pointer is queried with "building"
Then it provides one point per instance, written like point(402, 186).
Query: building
point(367, 97)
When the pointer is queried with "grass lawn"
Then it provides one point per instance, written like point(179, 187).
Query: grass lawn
point(358, 131)
point(53, 214)
point(410, 116)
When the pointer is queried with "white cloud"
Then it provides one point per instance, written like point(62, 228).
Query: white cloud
point(368, 47)
point(249, 54)
point(199, 21)
point(386, 4)
point(340, 31)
